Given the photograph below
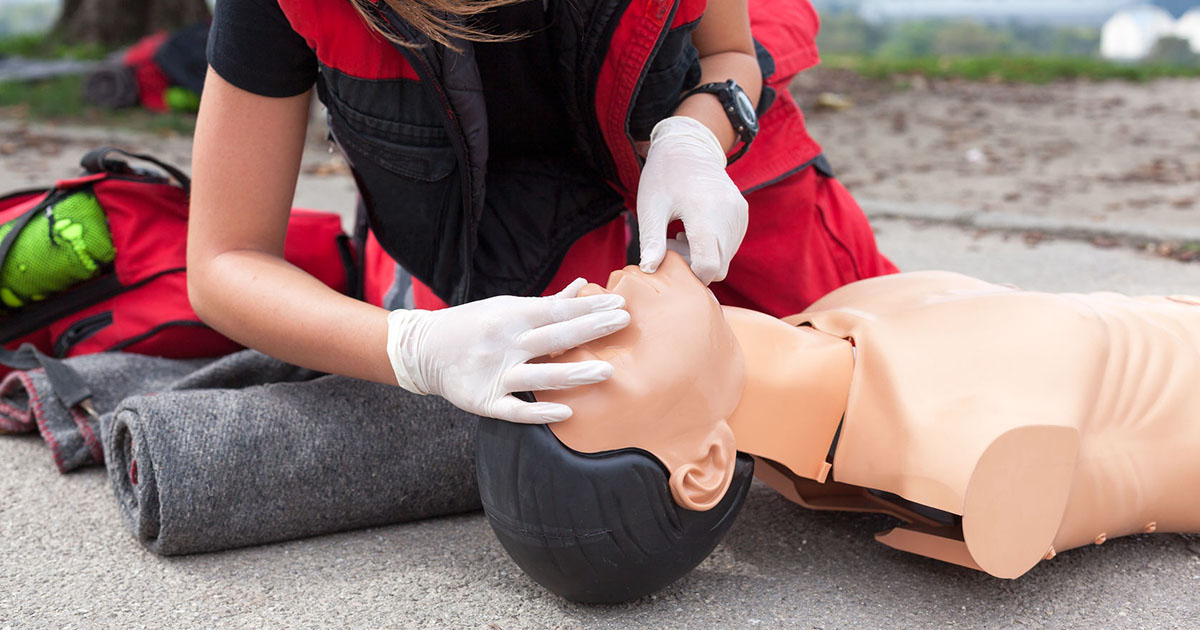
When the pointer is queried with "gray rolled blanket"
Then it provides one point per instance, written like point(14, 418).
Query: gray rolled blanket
point(243, 450)
point(111, 85)
point(205, 470)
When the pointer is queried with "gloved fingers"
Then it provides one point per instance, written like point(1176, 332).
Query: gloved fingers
point(729, 242)
point(706, 260)
point(555, 310)
point(572, 290)
point(654, 214)
point(680, 246)
point(559, 337)
point(533, 377)
point(513, 409)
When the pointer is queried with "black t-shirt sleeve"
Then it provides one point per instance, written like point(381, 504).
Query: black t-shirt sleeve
point(252, 45)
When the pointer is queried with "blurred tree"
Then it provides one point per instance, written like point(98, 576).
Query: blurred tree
point(966, 38)
point(1060, 41)
point(909, 39)
point(1173, 51)
point(1075, 41)
point(118, 22)
point(846, 33)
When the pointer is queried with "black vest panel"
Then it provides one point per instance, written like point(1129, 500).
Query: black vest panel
point(466, 227)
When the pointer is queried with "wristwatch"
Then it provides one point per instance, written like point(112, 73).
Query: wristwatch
point(738, 108)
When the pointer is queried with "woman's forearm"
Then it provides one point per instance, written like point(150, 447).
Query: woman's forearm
point(706, 108)
point(263, 302)
point(726, 49)
point(245, 163)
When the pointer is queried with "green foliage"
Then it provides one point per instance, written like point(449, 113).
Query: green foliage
point(845, 33)
point(61, 98)
point(972, 38)
point(1078, 41)
point(966, 49)
point(1018, 69)
point(908, 39)
point(52, 98)
point(1175, 51)
point(848, 33)
point(41, 46)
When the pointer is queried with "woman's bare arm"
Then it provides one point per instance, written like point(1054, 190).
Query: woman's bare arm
point(245, 164)
point(726, 50)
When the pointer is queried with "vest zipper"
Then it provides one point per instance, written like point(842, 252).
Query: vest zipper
point(457, 137)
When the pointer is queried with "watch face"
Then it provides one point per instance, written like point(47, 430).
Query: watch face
point(746, 109)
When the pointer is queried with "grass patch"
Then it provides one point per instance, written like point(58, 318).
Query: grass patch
point(61, 100)
point(42, 46)
point(51, 98)
point(1009, 69)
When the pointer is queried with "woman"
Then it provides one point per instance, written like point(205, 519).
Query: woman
point(496, 145)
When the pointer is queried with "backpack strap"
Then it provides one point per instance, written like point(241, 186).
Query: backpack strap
point(97, 161)
point(20, 222)
point(69, 387)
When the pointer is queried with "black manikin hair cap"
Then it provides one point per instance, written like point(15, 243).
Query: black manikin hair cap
point(594, 528)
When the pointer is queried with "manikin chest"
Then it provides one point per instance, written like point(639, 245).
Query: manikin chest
point(1029, 422)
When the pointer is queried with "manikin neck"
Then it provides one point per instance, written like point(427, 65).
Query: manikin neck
point(797, 384)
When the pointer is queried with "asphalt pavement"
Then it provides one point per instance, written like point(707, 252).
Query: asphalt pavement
point(66, 561)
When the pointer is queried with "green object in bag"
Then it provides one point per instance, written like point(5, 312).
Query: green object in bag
point(62, 246)
point(181, 99)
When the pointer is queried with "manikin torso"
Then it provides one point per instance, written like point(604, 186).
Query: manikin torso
point(1044, 421)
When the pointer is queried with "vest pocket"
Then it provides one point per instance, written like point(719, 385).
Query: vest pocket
point(406, 170)
point(389, 123)
point(402, 149)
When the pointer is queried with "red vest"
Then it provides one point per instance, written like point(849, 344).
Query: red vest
point(411, 131)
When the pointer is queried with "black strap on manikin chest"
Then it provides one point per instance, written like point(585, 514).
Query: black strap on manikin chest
point(69, 387)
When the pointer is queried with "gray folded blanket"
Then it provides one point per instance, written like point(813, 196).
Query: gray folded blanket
point(28, 403)
point(247, 450)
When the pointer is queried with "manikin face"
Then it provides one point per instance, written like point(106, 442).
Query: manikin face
point(678, 375)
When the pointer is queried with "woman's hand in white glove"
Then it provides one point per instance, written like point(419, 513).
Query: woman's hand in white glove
point(475, 355)
point(684, 178)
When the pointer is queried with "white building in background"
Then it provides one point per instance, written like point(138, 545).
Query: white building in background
point(1131, 33)
point(1188, 27)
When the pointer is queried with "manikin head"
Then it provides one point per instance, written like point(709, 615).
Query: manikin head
point(678, 375)
point(643, 480)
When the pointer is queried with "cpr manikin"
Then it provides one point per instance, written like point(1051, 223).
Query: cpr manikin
point(1001, 426)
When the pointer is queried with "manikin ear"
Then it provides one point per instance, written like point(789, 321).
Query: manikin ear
point(700, 485)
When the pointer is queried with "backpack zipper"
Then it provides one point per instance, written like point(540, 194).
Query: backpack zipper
point(81, 330)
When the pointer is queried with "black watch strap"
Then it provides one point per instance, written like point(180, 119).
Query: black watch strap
point(743, 119)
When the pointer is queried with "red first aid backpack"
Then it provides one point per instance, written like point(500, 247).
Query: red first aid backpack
point(140, 304)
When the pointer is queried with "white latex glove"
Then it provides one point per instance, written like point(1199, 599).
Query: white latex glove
point(684, 178)
point(474, 355)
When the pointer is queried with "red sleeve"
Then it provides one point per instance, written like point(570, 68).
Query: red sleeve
point(788, 30)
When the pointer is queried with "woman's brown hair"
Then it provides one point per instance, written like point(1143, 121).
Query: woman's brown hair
point(440, 20)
